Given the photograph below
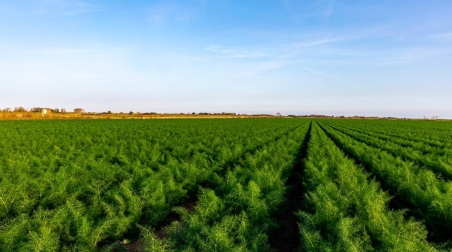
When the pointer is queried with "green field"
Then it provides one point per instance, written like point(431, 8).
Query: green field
point(226, 185)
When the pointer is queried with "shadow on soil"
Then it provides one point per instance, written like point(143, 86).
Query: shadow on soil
point(287, 236)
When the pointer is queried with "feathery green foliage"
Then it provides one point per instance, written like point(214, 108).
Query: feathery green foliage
point(220, 185)
point(344, 210)
point(415, 187)
point(81, 185)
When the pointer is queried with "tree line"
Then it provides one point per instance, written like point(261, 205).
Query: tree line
point(39, 110)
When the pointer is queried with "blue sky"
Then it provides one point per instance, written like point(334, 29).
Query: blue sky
point(385, 58)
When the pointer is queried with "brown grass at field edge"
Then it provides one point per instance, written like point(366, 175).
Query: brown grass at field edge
point(89, 115)
point(69, 116)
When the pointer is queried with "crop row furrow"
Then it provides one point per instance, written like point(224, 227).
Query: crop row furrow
point(237, 213)
point(286, 237)
point(440, 164)
point(424, 195)
point(344, 210)
point(441, 137)
point(444, 148)
point(215, 173)
point(79, 187)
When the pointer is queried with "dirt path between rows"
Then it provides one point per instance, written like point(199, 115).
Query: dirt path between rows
point(287, 237)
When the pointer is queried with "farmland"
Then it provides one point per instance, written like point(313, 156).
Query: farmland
point(225, 185)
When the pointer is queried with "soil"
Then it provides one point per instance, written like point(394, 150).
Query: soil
point(188, 205)
point(287, 236)
point(135, 246)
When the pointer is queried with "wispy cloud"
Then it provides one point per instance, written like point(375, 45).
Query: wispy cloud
point(442, 37)
point(320, 72)
point(61, 50)
point(321, 9)
point(316, 42)
point(65, 7)
point(380, 45)
point(264, 67)
point(326, 74)
point(172, 11)
point(234, 52)
point(328, 11)
point(412, 55)
point(175, 57)
point(318, 38)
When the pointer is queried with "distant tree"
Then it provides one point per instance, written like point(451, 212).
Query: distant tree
point(63, 110)
point(109, 112)
point(78, 110)
point(56, 110)
point(193, 113)
point(19, 109)
point(131, 113)
point(7, 110)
